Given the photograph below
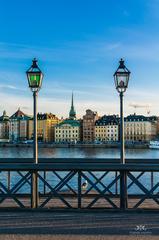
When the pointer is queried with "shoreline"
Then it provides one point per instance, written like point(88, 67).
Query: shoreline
point(53, 145)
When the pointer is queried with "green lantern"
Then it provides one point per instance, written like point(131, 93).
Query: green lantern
point(34, 76)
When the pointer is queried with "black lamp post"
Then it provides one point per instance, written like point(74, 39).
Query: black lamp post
point(121, 78)
point(35, 77)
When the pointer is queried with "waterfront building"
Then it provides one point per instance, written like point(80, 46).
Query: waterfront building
point(68, 131)
point(4, 127)
point(140, 128)
point(88, 126)
point(18, 126)
point(107, 128)
point(45, 127)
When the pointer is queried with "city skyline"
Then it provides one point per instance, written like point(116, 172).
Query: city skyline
point(78, 48)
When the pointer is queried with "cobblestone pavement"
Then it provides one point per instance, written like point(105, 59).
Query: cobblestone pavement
point(79, 225)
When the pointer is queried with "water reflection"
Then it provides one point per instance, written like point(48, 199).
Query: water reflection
point(77, 153)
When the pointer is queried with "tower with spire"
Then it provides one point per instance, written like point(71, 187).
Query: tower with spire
point(71, 125)
point(72, 113)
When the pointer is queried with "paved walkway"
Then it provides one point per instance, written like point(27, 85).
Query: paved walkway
point(74, 225)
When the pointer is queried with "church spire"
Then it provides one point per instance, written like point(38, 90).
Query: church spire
point(72, 113)
point(72, 101)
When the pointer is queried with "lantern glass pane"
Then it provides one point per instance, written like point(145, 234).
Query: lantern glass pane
point(34, 80)
point(122, 80)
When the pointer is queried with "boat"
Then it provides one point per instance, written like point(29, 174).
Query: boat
point(154, 144)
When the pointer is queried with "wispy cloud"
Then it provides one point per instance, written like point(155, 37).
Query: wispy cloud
point(92, 91)
point(79, 51)
point(61, 106)
point(5, 86)
point(86, 51)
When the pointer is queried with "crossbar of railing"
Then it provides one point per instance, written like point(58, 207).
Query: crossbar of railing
point(82, 166)
point(79, 160)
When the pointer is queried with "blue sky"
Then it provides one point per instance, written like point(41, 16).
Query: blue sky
point(78, 44)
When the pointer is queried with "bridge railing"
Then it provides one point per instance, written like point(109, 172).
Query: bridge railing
point(79, 184)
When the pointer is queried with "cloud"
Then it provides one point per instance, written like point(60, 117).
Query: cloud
point(87, 51)
point(91, 89)
point(61, 106)
point(8, 86)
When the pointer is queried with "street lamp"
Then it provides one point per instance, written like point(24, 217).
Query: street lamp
point(35, 76)
point(121, 78)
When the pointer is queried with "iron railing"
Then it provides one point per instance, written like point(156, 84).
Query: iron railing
point(79, 183)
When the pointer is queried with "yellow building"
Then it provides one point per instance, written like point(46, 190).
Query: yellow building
point(45, 127)
point(140, 128)
point(107, 129)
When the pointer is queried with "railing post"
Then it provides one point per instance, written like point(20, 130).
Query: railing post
point(34, 190)
point(79, 189)
point(123, 190)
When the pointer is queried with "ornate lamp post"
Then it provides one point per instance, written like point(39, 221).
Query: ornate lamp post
point(121, 79)
point(35, 77)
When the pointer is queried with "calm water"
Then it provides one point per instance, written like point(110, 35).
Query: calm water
point(79, 153)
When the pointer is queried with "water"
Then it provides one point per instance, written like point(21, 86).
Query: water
point(53, 180)
point(78, 153)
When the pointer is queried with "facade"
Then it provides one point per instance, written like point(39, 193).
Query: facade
point(45, 127)
point(4, 127)
point(88, 126)
point(107, 128)
point(18, 126)
point(68, 131)
point(140, 128)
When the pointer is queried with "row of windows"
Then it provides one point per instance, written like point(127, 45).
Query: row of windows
point(107, 139)
point(134, 132)
point(109, 135)
point(132, 135)
point(88, 129)
point(65, 127)
point(104, 130)
point(66, 140)
point(135, 126)
point(135, 123)
point(59, 136)
point(66, 131)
